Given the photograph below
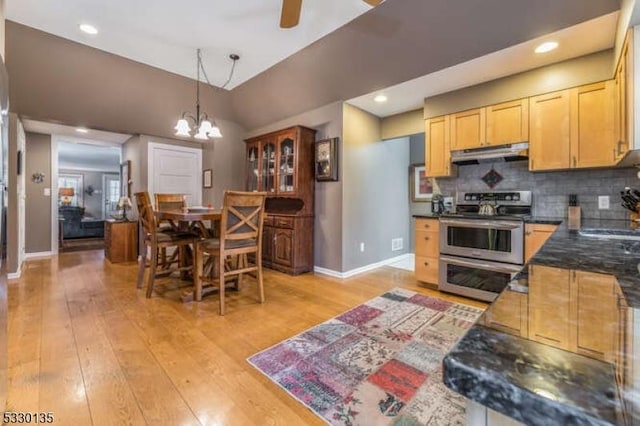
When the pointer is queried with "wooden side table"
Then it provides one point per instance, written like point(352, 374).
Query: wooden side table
point(120, 241)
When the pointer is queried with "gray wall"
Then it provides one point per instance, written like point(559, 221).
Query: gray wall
point(328, 122)
point(225, 157)
point(38, 206)
point(92, 203)
point(375, 191)
point(551, 189)
point(125, 96)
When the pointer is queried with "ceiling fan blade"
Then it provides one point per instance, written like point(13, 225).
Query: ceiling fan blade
point(373, 2)
point(290, 13)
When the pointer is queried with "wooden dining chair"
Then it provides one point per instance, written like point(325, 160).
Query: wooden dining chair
point(240, 235)
point(156, 240)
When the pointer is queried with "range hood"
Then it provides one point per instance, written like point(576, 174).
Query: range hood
point(511, 152)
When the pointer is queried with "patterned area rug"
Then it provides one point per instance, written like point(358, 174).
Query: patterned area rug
point(378, 364)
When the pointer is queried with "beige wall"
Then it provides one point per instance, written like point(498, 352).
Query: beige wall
point(404, 124)
point(38, 206)
point(328, 195)
point(575, 72)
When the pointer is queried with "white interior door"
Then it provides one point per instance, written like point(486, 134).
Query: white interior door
point(110, 195)
point(175, 170)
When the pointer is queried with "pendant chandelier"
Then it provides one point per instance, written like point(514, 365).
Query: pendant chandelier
point(201, 122)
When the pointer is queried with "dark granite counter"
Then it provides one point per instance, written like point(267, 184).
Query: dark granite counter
point(559, 345)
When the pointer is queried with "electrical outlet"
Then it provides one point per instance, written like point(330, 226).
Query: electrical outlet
point(362, 247)
point(396, 244)
point(603, 202)
point(47, 192)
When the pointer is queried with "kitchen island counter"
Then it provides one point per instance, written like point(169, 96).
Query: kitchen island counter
point(558, 345)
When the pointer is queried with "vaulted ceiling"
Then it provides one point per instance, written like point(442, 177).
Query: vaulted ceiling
point(281, 74)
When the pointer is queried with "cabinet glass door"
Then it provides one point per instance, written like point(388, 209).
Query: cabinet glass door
point(269, 167)
point(286, 172)
point(253, 168)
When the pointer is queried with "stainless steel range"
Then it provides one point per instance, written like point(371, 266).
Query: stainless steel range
point(482, 245)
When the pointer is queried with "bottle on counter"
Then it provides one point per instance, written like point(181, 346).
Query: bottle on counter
point(573, 212)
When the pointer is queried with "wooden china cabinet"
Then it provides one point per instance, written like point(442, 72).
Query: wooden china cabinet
point(281, 164)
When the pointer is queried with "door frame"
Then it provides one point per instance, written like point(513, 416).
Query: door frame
point(152, 146)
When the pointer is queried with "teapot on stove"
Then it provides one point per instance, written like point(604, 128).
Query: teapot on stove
point(488, 208)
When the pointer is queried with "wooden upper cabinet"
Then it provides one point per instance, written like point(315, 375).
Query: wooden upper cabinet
point(593, 125)
point(624, 99)
point(437, 143)
point(550, 132)
point(468, 129)
point(508, 122)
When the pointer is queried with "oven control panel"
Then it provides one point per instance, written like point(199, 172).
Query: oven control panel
point(513, 198)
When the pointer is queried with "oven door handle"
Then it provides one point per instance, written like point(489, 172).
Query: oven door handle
point(487, 266)
point(481, 224)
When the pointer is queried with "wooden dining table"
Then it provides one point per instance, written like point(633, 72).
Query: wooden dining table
point(191, 219)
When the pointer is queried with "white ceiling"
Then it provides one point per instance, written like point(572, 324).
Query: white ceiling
point(70, 134)
point(84, 157)
point(588, 37)
point(165, 33)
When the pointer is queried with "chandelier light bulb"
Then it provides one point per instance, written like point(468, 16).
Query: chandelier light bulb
point(201, 135)
point(205, 127)
point(182, 128)
point(215, 132)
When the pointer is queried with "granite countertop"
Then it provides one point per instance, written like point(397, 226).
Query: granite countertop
point(557, 345)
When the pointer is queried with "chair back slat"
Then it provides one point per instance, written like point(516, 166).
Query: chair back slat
point(145, 212)
point(242, 217)
point(170, 201)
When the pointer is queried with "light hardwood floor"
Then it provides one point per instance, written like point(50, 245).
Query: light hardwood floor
point(87, 346)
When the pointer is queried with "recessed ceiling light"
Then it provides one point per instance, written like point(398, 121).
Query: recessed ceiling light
point(547, 46)
point(82, 130)
point(380, 98)
point(89, 29)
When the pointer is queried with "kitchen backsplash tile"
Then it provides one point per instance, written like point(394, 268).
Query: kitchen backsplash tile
point(551, 189)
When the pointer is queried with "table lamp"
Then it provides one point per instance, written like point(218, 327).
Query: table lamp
point(66, 194)
point(124, 203)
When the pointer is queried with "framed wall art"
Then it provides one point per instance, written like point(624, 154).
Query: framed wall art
point(420, 185)
point(326, 160)
point(207, 178)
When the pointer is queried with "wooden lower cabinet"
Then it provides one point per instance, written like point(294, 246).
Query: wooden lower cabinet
point(576, 311)
point(508, 313)
point(287, 243)
point(427, 250)
point(535, 235)
point(120, 241)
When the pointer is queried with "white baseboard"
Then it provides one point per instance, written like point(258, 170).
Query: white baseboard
point(360, 270)
point(15, 275)
point(38, 255)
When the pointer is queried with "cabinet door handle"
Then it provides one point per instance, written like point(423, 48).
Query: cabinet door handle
point(426, 263)
point(426, 238)
point(426, 225)
point(574, 161)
